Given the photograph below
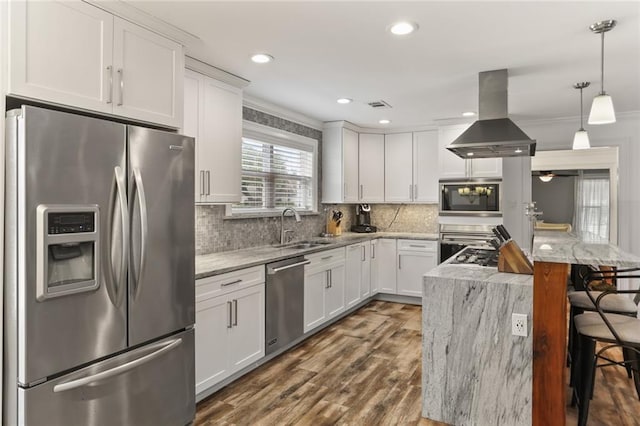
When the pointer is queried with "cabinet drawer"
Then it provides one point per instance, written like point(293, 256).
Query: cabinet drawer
point(209, 287)
point(324, 257)
point(417, 245)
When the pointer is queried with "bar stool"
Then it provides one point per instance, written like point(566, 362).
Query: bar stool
point(580, 302)
point(616, 331)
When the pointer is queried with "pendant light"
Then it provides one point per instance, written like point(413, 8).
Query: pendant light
point(602, 111)
point(581, 138)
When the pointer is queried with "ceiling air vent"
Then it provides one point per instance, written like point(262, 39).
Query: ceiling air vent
point(379, 104)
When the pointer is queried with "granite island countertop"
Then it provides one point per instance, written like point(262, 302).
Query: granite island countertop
point(474, 371)
point(589, 249)
point(218, 263)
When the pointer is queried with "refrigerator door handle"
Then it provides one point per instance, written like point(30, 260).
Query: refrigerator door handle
point(124, 255)
point(139, 188)
point(121, 369)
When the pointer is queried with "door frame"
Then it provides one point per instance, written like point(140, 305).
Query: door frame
point(585, 159)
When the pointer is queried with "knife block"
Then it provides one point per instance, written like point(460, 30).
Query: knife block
point(334, 228)
point(512, 259)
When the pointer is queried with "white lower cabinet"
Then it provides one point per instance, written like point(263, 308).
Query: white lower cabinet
point(230, 321)
point(415, 258)
point(357, 273)
point(384, 264)
point(324, 287)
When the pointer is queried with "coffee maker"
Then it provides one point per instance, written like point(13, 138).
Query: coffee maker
point(363, 219)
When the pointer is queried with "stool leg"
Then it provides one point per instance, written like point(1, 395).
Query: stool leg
point(628, 356)
point(587, 377)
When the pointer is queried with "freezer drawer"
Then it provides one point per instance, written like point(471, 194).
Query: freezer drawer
point(151, 385)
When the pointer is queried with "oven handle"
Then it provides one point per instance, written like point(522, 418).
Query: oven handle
point(464, 242)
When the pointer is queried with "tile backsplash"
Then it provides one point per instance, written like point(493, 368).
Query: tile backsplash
point(216, 233)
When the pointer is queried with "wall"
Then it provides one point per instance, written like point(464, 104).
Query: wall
point(555, 199)
point(625, 134)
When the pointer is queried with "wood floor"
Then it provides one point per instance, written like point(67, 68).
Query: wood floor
point(366, 370)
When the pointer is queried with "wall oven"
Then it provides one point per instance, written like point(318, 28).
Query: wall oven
point(470, 197)
point(455, 237)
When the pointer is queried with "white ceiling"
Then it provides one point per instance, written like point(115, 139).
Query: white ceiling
point(325, 50)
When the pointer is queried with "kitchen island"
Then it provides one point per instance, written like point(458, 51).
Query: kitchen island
point(474, 371)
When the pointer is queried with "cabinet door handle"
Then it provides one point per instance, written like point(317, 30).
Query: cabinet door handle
point(361, 191)
point(327, 278)
point(417, 246)
point(121, 80)
point(229, 310)
point(330, 279)
point(231, 283)
point(201, 182)
point(415, 192)
point(399, 261)
point(110, 69)
point(208, 182)
point(363, 254)
point(326, 257)
point(373, 251)
point(235, 311)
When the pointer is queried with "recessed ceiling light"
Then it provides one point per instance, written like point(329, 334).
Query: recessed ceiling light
point(518, 151)
point(468, 114)
point(384, 121)
point(344, 101)
point(261, 58)
point(403, 28)
point(469, 154)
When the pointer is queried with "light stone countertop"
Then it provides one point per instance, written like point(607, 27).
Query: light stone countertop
point(564, 247)
point(481, 274)
point(219, 263)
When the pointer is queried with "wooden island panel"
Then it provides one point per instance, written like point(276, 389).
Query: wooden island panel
point(549, 343)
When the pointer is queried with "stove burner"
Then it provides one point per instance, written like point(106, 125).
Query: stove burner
point(477, 256)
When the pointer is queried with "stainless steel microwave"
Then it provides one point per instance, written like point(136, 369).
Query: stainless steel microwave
point(471, 197)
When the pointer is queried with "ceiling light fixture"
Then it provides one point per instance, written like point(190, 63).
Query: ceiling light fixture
point(403, 28)
point(468, 114)
point(344, 101)
point(518, 151)
point(581, 138)
point(546, 177)
point(469, 154)
point(384, 121)
point(602, 111)
point(262, 58)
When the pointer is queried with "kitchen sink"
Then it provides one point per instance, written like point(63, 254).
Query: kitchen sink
point(298, 245)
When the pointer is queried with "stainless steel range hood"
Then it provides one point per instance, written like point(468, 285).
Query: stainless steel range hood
point(494, 134)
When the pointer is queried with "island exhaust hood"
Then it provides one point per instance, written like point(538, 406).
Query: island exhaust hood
point(494, 134)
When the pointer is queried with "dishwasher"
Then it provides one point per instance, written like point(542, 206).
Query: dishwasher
point(284, 300)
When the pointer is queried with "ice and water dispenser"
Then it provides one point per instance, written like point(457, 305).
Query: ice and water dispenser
point(68, 250)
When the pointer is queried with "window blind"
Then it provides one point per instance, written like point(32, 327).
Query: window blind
point(276, 176)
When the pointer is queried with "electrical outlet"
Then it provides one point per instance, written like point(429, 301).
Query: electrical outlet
point(519, 325)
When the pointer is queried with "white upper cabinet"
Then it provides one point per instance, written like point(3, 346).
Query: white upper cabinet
point(398, 176)
point(213, 115)
point(452, 167)
point(425, 166)
point(148, 72)
point(350, 165)
point(77, 55)
point(371, 168)
point(411, 171)
point(61, 52)
point(339, 165)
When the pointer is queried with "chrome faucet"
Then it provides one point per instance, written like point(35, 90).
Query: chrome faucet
point(283, 231)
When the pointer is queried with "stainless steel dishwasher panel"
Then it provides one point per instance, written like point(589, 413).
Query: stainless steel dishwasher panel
point(284, 320)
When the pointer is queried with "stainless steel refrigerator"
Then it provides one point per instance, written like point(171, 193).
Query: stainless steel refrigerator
point(99, 273)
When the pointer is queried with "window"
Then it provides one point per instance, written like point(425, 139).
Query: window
point(278, 171)
point(592, 204)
